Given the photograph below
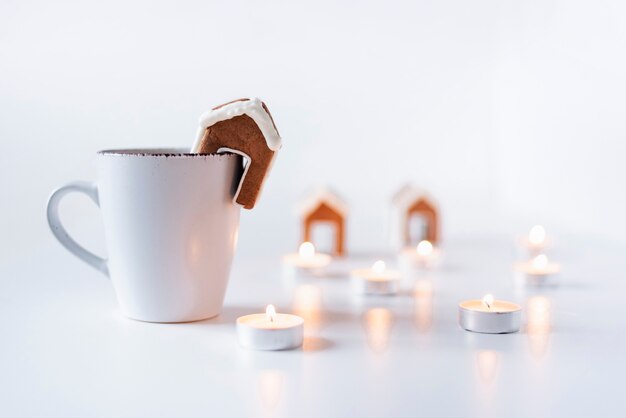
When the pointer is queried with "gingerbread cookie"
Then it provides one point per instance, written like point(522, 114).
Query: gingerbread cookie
point(244, 127)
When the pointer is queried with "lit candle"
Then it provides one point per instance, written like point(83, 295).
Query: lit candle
point(377, 280)
point(306, 262)
point(424, 256)
point(489, 316)
point(537, 239)
point(536, 270)
point(270, 330)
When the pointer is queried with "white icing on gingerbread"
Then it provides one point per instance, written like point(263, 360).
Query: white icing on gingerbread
point(322, 195)
point(253, 108)
point(401, 202)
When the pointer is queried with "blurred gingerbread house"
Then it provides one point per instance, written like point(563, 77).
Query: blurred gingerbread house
point(325, 207)
point(415, 217)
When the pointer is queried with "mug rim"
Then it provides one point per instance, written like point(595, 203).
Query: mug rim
point(158, 152)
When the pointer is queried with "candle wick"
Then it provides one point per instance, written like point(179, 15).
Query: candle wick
point(488, 301)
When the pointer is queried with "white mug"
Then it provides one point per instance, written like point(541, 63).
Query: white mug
point(170, 227)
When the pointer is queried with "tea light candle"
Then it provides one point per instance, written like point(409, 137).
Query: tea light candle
point(537, 239)
point(490, 316)
point(305, 262)
point(424, 256)
point(270, 331)
point(537, 270)
point(377, 280)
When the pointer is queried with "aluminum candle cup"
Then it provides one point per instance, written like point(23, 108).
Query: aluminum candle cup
point(537, 270)
point(376, 280)
point(305, 263)
point(270, 331)
point(499, 317)
point(537, 240)
point(423, 257)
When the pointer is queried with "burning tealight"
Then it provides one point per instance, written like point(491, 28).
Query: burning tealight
point(537, 239)
point(425, 250)
point(537, 270)
point(270, 330)
point(490, 316)
point(424, 256)
point(537, 235)
point(306, 262)
point(377, 280)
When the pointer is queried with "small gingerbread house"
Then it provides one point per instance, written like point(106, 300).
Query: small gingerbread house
point(244, 127)
point(324, 206)
point(415, 217)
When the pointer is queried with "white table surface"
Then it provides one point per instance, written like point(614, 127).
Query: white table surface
point(66, 350)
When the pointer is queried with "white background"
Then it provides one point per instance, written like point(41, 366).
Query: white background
point(510, 113)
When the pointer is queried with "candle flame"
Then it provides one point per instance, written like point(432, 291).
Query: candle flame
point(270, 312)
point(537, 235)
point(488, 300)
point(379, 266)
point(424, 248)
point(306, 250)
point(540, 262)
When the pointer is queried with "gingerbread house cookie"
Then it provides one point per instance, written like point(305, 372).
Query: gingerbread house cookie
point(409, 204)
point(324, 206)
point(243, 127)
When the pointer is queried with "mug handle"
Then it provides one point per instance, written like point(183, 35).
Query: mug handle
point(91, 190)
